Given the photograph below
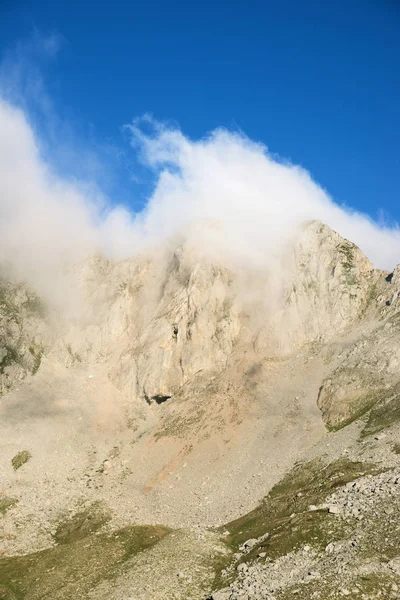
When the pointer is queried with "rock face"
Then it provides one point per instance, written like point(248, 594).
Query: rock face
point(187, 323)
point(331, 286)
point(180, 391)
point(367, 368)
point(328, 287)
point(192, 330)
point(22, 334)
point(161, 326)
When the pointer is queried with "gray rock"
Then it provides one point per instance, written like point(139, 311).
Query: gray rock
point(250, 543)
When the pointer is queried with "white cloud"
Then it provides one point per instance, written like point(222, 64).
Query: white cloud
point(257, 200)
point(45, 222)
point(253, 202)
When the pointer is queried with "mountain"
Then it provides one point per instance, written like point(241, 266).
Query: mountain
point(184, 427)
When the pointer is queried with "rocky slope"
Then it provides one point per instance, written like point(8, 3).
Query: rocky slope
point(185, 408)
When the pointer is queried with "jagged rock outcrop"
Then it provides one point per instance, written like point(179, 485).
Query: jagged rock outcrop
point(329, 286)
point(176, 390)
point(188, 323)
point(22, 336)
point(159, 323)
point(192, 331)
point(367, 368)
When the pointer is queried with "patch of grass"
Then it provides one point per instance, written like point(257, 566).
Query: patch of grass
point(82, 524)
point(382, 416)
point(10, 357)
point(284, 512)
point(7, 593)
point(6, 502)
point(346, 249)
point(20, 459)
point(72, 568)
point(284, 515)
point(7, 307)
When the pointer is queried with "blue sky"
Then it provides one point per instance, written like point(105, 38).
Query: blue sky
point(317, 82)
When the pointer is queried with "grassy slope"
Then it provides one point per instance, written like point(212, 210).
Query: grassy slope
point(82, 557)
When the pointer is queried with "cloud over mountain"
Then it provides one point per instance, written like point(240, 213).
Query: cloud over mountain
point(251, 201)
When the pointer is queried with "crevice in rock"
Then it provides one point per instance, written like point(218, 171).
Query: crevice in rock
point(159, 398)
point(389, 278)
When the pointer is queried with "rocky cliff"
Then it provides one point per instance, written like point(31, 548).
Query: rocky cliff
point(181, 391)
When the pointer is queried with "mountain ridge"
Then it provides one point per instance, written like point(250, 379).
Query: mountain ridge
point(182, 391)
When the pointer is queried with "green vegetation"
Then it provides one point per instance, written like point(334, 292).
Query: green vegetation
point(82, 524)
point(347, 249)
point(307, 484)
point(7, 306)
point(14, 309)
point(363, 405)
point(351, 407)
point(9, 358)
point(382, 416)
point(83, 558)
point(20, 459)
point(284, 515)
point(364, 391)
point(5, 504)
point(12, 356)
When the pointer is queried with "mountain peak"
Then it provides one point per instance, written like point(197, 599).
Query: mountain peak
point(186, 386)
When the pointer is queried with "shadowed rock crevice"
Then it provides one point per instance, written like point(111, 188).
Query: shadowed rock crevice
point(160, 399)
